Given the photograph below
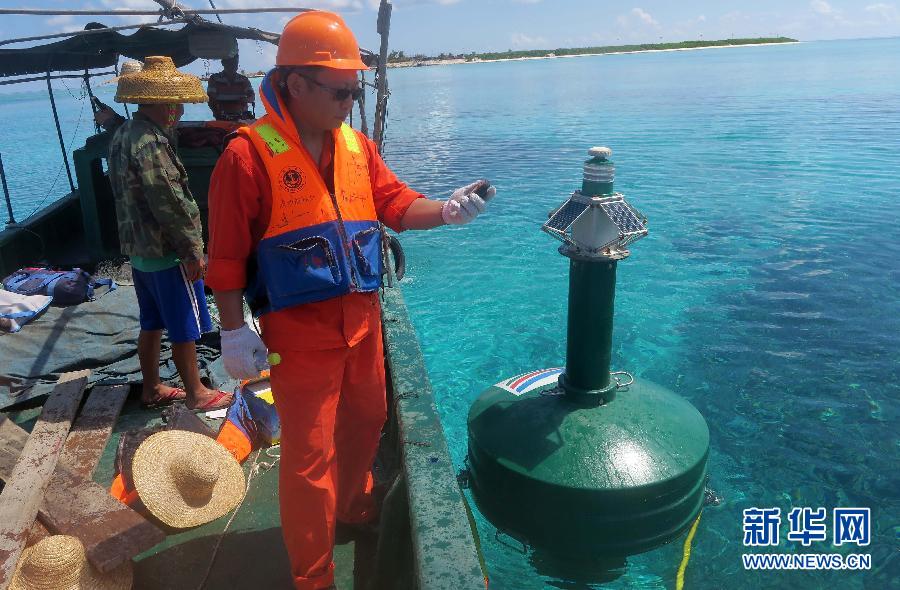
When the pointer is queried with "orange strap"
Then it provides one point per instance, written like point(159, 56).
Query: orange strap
point(118, 491)
point(237, 443)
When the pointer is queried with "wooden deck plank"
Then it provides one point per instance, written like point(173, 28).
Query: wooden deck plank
point(21, 497)
point(111, 532)
point(38, 532)
point(74, 505)
point(92, 428)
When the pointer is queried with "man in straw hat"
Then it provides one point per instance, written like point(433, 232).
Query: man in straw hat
point(159, 229)
point(104, 115)
point(298, 198)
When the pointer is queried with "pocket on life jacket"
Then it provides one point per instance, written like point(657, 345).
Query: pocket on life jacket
point(367, 250)
point(304, 266)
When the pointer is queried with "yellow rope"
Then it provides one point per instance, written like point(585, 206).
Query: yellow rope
point(679, 579)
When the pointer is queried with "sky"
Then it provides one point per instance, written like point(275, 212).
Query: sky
point(460, 26)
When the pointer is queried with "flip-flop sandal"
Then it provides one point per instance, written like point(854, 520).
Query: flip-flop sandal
point(176, 394)
point(215, 403)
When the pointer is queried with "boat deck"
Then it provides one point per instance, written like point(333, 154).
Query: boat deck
point(426, 538)
point(250, 553)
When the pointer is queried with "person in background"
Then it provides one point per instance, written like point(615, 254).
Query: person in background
point(230, 93)
point(104, 115)
point(159, 229)
point(300, 196)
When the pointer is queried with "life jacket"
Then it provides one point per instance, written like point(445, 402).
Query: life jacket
point(252, 420)
point(318, 245)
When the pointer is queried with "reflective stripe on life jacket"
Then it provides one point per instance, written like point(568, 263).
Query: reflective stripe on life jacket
point(317, 245)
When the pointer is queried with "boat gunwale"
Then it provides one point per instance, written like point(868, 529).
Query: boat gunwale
point(444, 542)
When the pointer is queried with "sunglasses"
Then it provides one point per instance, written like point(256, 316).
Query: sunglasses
point(339, 94)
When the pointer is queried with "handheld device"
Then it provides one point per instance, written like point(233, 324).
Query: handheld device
point(482, 188)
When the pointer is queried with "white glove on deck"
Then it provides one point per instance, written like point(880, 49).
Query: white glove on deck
point(465, 205)
point(243, 353)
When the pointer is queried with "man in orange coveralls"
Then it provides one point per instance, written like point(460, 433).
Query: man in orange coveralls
point(299, 195)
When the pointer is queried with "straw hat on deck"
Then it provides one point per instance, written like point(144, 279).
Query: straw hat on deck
point(131, 66)
point(186, 479)
point(160, 83)
point(59, 563)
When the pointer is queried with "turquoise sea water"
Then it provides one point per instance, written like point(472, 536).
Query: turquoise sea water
point(766, 293)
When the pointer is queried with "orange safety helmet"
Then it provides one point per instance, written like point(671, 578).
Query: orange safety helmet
point(319, 38)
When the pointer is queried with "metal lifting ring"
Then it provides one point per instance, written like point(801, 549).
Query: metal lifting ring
point(619, 384)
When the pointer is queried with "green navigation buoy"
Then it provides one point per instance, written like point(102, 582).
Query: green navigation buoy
point(581, 462)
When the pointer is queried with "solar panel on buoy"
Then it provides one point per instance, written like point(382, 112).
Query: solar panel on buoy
point(631, 224)
point(560, 222)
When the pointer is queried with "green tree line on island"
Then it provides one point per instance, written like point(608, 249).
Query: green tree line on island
point(401, 57)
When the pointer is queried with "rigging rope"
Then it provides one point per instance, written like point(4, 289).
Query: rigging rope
point(214, 8)
point(58, 172)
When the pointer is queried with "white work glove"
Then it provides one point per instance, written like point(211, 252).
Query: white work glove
point(243, 353)
point(465, 205)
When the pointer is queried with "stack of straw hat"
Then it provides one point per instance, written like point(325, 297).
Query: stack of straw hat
point(59, 563)
point(159, 82)
point(186, 479)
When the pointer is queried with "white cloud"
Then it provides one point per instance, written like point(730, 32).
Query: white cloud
point(61, 22)
point(335, 5)
point(822, 7)
point(830, 15)
point(131, 5)
point(637, 17)
point(644, 16)
point(524, 41)
point(375, 3)
point(888, 12)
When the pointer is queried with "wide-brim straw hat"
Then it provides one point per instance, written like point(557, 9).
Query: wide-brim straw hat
point(186, 479)
point(59, 563)
point(160, 83)
point(131, 66)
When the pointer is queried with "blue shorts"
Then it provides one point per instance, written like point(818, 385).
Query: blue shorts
point(167, 300)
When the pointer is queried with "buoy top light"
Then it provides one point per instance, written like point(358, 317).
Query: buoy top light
point(604, 153)
point(596, 222)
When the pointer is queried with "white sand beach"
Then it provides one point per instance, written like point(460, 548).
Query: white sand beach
point(448, 62)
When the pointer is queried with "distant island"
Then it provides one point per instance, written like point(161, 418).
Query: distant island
point(398, 59)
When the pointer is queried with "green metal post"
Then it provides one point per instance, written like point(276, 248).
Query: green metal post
point(592, 291)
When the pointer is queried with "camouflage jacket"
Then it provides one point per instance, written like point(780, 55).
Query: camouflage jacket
point(157, 213)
